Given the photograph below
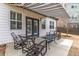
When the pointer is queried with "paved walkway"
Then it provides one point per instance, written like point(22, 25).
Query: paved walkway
point(74, 51)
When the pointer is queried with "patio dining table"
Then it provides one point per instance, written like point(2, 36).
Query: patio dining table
point(34, 39)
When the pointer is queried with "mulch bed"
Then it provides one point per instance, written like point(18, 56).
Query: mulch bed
point(74, 51)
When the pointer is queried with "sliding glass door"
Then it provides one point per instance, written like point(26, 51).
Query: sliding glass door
point(35, 27)
point(29, 27)
point(32, 27)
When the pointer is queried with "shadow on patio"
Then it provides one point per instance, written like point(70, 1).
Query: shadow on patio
point(60, 48)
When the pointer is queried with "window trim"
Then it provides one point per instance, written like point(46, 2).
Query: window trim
point(44, 24)
point(16, 20)
point(51, 26)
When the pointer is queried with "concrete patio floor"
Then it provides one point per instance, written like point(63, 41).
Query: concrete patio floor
point(60, 48)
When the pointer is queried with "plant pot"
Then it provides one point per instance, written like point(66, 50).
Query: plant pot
point(2, 50)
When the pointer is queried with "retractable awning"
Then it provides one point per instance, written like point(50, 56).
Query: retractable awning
point(47, 9)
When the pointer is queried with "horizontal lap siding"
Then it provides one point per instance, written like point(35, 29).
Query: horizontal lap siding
point(4, 25)
point(5, 30)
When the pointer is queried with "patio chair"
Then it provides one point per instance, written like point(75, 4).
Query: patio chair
point(17, 41)
point(26, 44)
point(32, 48)
point(59, 35)
point(55, 36)
point(38, 49)
point(50, 37)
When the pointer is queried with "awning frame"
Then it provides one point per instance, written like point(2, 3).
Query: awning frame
point(25, 6)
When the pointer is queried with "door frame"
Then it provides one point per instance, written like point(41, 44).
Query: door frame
point(32, 25)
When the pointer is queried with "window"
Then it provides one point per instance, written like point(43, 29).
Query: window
point(35, 26)
point(43, 24)
point(15, 20)
point(51, 25)
point(74, 17)
point(73, 6)
point(29, 27)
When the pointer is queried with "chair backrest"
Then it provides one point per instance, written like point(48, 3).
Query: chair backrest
point(15, 38)
point(28, 42)
point(22, 37)
point(50, 37)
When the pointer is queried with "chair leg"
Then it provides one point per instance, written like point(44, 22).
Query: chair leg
point(55, 40)
point(23, 50)
point(48, 46)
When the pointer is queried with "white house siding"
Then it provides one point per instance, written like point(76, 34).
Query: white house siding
point(42, 32)
point(5, 30)
point(4, 25)
point(5, 36)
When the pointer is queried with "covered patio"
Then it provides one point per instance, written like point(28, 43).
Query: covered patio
point(47, 11)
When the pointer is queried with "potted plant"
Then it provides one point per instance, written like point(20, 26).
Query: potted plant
point(2, 49)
